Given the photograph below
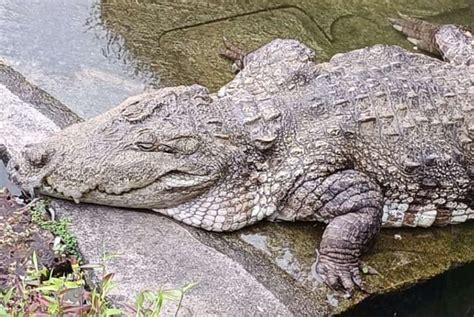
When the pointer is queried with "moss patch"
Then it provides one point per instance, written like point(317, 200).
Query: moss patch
point(59, 228)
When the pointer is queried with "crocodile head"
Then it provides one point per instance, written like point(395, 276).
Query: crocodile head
point(155, 150)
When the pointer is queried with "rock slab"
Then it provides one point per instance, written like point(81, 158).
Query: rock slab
point(149, 251)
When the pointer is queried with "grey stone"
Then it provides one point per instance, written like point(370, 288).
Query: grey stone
point(35, 97)
point(152, 251)
point(20, 124)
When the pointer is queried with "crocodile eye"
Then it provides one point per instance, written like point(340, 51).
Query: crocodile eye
point(166, 148)
point(145, 146)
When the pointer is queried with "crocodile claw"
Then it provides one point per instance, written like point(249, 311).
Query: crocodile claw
point(339, 276)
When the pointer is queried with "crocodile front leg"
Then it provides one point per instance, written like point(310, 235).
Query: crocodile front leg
point(354, 203)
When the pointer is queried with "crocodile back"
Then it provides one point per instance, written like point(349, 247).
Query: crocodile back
point(403, 118)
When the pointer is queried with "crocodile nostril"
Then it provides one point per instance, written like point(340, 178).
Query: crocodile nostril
point(37, 157)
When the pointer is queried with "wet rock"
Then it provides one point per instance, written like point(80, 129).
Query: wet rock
point(35, 97)
point(20, 124)
point(290, 248)
point(27, 114)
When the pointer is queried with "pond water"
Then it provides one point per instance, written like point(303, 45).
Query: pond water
point(451, 294)
point(63, 47)
point(57, 45)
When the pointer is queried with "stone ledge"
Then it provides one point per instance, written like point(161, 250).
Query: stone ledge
point(151, 251)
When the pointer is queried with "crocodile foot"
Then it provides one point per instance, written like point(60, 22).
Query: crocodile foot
point(339, 275)
point(418, 32)
point(233, 53)
point(452, 42)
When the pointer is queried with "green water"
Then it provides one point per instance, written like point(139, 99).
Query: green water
point(451, 294)
point(180, 39)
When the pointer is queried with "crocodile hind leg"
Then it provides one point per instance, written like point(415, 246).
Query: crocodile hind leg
point(354, 204)
point(453, 43)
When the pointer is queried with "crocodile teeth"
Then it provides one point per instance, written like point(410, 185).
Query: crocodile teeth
point(397, 27)
point(413, 40)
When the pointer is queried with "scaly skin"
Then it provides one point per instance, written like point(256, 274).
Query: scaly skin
point(375, 136)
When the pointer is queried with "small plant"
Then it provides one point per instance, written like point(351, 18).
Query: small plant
point(150, 304)
point(6, 302)
point(100, 305)
point(43, 293)
point(59, 228)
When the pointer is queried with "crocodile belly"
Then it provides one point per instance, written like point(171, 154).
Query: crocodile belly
point(406, 215)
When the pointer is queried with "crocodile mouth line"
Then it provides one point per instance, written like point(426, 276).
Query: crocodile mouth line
point(170, 180)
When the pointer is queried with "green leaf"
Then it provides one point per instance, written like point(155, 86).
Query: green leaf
point(53, 308)
point(107, 279)
point(3, 312)
point(106, 257)
point(140, 300)
point(92, 266)
point(107, 284)
point(159, 302)
point(8, 295)
point(72, 284)
point(149, 295)
point(47, 288)
point(33, 283)
point(76, 267)
point(172, 294)
point(189, 287)
point(56, 281)
point(113, 312)
point(35, 261)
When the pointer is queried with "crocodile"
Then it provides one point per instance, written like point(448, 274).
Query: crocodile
point(378, 136)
